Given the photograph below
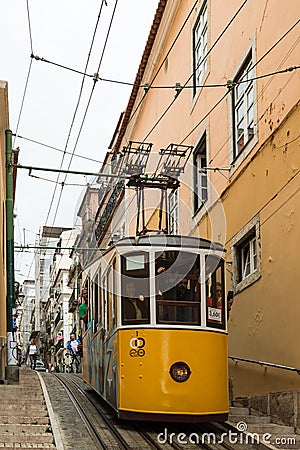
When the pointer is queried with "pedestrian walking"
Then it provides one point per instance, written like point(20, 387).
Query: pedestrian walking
point(32, 353)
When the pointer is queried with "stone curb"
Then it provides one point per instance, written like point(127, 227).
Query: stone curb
point(54, 424)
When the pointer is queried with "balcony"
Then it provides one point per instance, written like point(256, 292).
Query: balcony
point(73, 302)
point(59, 317)
point(48, 327)
point(112, 202)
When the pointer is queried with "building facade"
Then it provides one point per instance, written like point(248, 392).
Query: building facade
point(219, 81)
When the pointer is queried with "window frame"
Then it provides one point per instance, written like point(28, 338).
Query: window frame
point(135, 275)
point(173, 212)
point(200, 47)
point(250, 232)
point(169, 302)
point(239, 98)
point(200, 155)
point(247, 255)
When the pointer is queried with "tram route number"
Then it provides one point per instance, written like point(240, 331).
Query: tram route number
point(137, 345)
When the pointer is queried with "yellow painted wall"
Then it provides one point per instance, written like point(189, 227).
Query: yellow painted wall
point(264, 319)
point(3, 126)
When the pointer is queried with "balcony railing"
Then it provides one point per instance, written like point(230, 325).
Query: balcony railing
point(109, 208)
point(73, 301)
point(59, 317)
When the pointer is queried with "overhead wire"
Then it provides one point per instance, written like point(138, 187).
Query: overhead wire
point(262, 91)
point(27, 77)
point(194, 71)
point(76, 109)
point(28, 73)
point(87, 107)
point(149, 86)
point(205, 57)
point(51, 147)
point(227, 92)
point(29, 26)
point(77, 106)
point(58, 182)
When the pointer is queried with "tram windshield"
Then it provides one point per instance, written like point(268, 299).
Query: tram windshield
point(177, 288)
point(135, 289)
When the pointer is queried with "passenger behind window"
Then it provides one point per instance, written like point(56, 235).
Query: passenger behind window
point(83, 308)
point(215, 300)
point(133, 307)
point(215, 304)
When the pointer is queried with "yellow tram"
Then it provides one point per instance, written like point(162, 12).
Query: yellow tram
point(156, 344)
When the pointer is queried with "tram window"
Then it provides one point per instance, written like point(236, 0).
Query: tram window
point(114, 295)
point(177, 288)
point(111, 299)
point(135, 289)
point(215, 293)
point(95, 310)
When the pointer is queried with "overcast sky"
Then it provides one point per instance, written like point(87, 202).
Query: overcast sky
point(61, 32)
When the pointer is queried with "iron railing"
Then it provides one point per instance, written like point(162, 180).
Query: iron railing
point(109, 208)
point(265, 364)
point(73, 301)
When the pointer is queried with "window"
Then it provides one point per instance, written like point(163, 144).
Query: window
point(200, 47)
point(243, 107)
point(247, 257)
point(177, 288)
point(245, 250)
point(173, 212)
point(200, 175)
point(135, 289)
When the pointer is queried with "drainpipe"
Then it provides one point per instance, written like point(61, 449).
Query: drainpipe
point(12, 373)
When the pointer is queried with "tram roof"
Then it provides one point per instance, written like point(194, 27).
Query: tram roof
point(163, 240)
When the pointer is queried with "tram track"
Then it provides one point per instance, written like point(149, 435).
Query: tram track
point(110, 433)
point(102, 425)
point(80, 399)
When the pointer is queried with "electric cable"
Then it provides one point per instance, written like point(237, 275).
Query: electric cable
point(252, 67)
point(76, 109)
point(149, 86)
point(29, 26)
point(77, 105)
point(85, 113)
point(28, 74)
point(51, 147)
point(260, 95)
point(22, 102)
point(200, 62)
point(164, 60)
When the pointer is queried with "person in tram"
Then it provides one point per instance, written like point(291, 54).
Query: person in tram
point(134, 307)
point(215, 300)
point(83, 308)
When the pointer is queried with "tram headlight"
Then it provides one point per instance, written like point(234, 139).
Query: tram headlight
point(180, 371)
